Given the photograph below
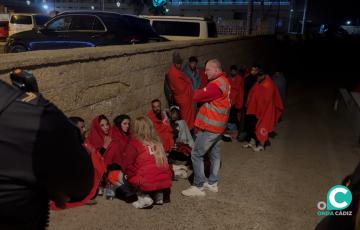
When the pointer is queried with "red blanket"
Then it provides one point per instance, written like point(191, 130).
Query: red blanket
point(181, 87)
point(237, 91)
point(265, 103)
point(163, 129)
point(99, 169)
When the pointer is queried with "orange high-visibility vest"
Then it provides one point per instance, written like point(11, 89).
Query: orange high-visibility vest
point(213, 116)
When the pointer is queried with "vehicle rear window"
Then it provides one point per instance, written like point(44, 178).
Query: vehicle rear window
point(21, 19)
point(212, 32)
point(177, 28)
point(41, 19)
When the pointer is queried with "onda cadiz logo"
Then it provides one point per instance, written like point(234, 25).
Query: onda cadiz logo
point(338, 198)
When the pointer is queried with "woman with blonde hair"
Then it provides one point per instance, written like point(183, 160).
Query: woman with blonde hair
point(151, 172)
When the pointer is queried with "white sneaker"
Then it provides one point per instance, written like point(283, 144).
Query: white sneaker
point(211, 187)
point(194, 191)
point(143, 201)
point(250, 144)
point(100, 191)
point(258, 148)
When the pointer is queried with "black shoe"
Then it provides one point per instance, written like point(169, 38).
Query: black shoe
point(226, 138)
point(272, 134)
point(267, 143)
point(241, 137)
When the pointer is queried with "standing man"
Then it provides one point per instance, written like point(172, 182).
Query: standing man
point(161, 124)
point(181, 88)
point(236, 96)
point(264, 107)
point(211, 122)
point(192, 72)
point(249, 81)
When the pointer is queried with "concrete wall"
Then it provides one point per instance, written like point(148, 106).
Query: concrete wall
point(121, 79)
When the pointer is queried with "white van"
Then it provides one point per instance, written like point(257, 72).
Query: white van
point(183, 28)
point(23, 22)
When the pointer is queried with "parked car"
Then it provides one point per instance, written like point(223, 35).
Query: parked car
point(84, 29)
point(24, 22)
point(183, 28)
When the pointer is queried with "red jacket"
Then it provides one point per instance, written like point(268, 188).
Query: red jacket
point(148, 176)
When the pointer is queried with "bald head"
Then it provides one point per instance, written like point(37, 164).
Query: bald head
point(213, 69)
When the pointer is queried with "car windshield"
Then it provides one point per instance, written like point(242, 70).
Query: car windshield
point(41, 19)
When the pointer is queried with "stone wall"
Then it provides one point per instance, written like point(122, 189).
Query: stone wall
point(122, 79)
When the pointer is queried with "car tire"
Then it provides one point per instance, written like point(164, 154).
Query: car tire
point(17, 49)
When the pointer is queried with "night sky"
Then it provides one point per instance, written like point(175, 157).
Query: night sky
point(330, 11)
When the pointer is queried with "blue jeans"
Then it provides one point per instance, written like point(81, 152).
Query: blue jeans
point(206, 142)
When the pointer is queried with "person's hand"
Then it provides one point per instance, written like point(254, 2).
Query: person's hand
point(107, 141)
point(89, 148)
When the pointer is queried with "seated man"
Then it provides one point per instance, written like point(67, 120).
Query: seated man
point(162, 125)
point(184, 142)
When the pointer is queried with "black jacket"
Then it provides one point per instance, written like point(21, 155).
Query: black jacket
point(40, 156)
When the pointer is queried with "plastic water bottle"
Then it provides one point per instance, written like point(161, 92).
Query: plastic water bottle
point(109, 192)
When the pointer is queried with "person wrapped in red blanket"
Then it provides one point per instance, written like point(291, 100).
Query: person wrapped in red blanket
point(181, 86)
point(264, 104)
point(161, 124)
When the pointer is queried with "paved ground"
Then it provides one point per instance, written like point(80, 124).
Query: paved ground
point(277, 189)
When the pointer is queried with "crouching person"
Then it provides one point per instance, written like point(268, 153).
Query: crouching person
point(151, 172)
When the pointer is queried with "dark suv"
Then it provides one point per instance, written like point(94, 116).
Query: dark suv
point(84, 29)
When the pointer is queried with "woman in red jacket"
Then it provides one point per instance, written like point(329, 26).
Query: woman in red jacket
point(151, 170)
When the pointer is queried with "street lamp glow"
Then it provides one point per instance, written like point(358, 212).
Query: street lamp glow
point(348, 23)
point(28, 2)
point(45, 6)
point(93, 7)
point(167, 10)
point(118, 4)
point(292, 10)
